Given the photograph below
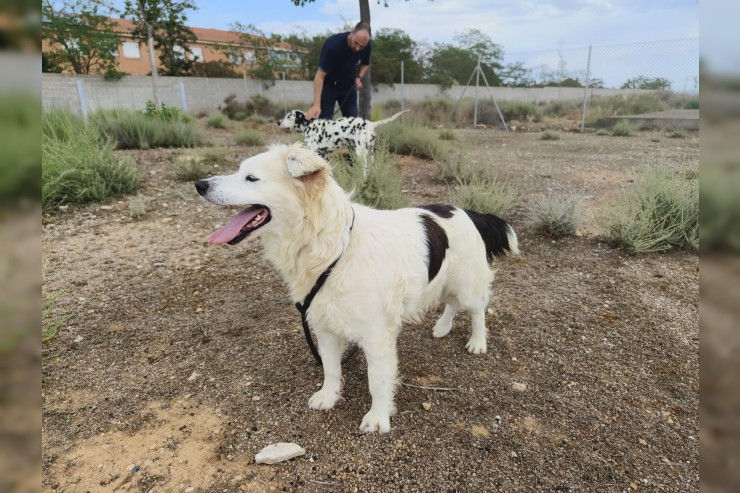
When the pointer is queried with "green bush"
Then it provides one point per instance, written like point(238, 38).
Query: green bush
point(413, 140)
point(691, 103)
point(556, 215)
point(720, 206)
point(446, 134)
point(623, 128)
point(79, 164)
point(381, 189)
point(457, 170)
point(662, 213)
point(490, 196)
point(550, 135)
point(217, 120)
point(20, 156)
point(166, 113)
point(188, 167)
point(134, 130)
point(249, 137)
point(257, 105)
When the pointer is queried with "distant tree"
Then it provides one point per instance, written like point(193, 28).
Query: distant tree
point(80, 37)
point(164, 23)
point(390, 48)
point(215, 69)
point(642, 82)
point(516, 75)
point(482, 46)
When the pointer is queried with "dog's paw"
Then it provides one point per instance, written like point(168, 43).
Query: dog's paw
point(441, 329)
point(323, 400)
point(476, 346)
point(374, 421)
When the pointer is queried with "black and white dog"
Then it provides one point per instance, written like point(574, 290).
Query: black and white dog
point(324, 136)
point(390, 267)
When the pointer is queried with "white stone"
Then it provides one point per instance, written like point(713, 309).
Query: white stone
point(519, 387)
point(278, 452)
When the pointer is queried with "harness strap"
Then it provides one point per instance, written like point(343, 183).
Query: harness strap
point(303, 307)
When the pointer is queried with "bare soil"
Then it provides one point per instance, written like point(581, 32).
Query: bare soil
point(181, 360)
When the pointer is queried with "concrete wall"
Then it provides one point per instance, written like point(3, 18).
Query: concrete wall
point(197, 94)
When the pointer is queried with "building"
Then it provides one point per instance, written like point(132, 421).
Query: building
point(212, 45)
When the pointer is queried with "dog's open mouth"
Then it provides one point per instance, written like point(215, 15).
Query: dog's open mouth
point(243, 224)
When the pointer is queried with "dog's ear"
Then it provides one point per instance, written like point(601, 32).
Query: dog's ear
point(300, 117)
point(304, 162)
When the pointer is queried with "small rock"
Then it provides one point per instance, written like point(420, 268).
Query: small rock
point(519, 387)
point(193, 376)
point(633, 486)
point(79, 339)
point(479, 431)
point(278, 452)
point(426, 405)
point(255, 398)
point(642, 441)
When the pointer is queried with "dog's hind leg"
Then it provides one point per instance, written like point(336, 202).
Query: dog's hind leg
point(444, 324)
point(330, 349)
point(382, 368)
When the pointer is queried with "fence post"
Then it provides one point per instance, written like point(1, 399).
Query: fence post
point(402, 90)
point(83, 100)
point(585, 89)
point(285, 100)
point(183, 99)
point(246, 88)
point(477, 82)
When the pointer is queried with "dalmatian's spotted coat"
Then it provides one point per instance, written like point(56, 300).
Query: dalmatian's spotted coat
point(324, 136)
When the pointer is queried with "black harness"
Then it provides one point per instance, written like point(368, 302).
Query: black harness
point(303, 307)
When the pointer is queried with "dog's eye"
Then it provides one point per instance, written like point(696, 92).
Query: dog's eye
point(251, 178)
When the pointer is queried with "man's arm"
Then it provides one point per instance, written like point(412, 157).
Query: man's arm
point(361, 75)
point(318, 86)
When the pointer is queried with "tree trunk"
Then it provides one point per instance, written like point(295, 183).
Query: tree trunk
point(365, 108)
point(152, 62)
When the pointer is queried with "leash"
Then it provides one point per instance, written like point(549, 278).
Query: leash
point(303, 307)
point(345, 100)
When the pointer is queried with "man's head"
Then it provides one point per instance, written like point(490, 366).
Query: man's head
point(359, 38)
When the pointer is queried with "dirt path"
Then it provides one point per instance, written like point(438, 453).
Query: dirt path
point(181, 360)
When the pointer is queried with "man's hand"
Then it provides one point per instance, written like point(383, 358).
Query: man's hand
point(358, 83)
point(313, 112)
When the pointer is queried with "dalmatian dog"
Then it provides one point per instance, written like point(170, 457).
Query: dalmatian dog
point(324, 136)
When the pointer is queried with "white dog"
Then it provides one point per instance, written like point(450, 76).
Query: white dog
point(324, 136)
point(391, 266)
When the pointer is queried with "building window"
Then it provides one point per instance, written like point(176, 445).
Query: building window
point(131, 50)
point(197, 54)
point(236, 57)
point(179, 51)
point(250, 58)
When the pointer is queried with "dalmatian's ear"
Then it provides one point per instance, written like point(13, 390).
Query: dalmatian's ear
point(303, 162)
point(300, 117)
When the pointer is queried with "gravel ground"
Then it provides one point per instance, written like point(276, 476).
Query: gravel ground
point(180, 360)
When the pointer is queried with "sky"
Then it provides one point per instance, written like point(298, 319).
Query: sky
point(518, 25)
point(630, 37)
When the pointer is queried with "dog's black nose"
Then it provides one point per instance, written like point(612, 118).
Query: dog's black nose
point(201, 186)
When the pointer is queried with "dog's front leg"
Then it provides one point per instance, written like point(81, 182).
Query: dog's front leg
point(330, 349)
point(382, 368)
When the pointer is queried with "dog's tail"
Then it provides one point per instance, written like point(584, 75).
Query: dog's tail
point(389, 119)
point(498, 236)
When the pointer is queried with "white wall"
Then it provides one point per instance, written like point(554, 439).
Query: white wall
point(197, 94)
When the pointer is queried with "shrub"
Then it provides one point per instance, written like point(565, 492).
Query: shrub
point(556, 215)
point(217, 120)
point(213, 156)
point(490, 196)
point(446, 134)
point(720, 206)
point(257, 105)
point(20, 155)
point(167, 113)
point(550, 135)
point(413, 140)
point(137, 207)
point(457, 170)
point(691, 103)
point(249, 137)
point(188, 167)
point(79, 164)
point(675, 134)
point(623, 128)
point(661, 214)
point(134, 130)
point(381, 188)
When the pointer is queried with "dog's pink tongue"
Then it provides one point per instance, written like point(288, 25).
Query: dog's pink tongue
point(231, 230)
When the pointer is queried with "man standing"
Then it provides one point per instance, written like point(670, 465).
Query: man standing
point(345, 58)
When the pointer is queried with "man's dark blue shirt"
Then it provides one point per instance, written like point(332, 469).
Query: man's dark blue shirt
point(339, 61)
